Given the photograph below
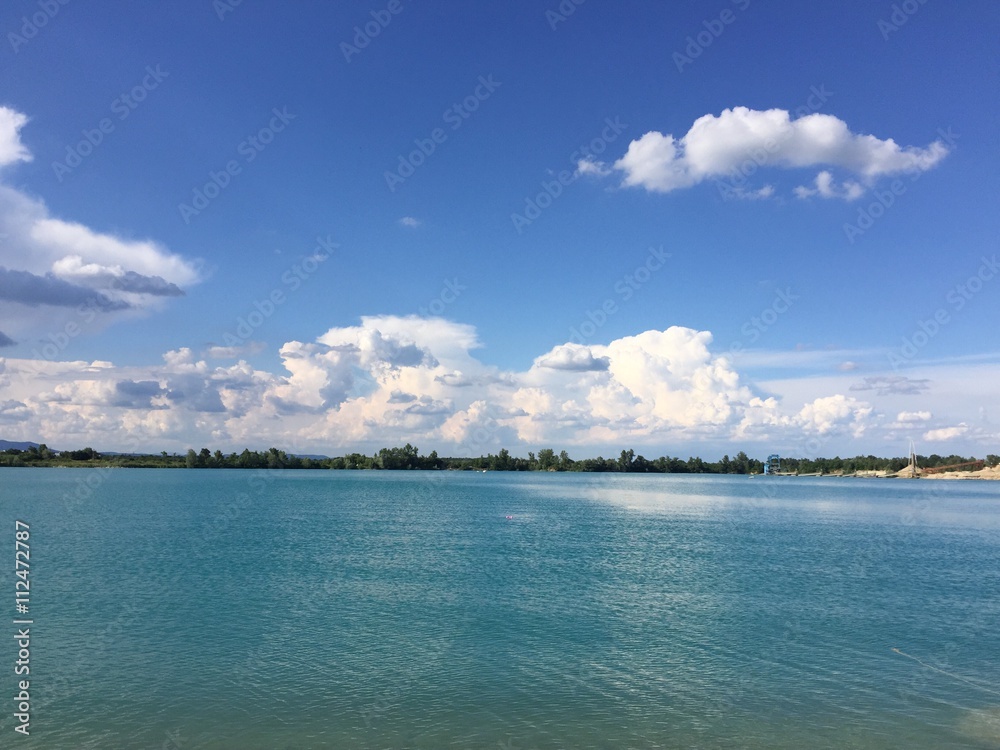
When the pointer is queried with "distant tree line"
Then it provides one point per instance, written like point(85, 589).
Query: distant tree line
point(409, 458)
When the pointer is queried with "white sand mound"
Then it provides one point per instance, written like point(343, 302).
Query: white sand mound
point(993, 473)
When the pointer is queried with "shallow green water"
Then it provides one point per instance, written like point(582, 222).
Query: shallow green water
point(227, 609)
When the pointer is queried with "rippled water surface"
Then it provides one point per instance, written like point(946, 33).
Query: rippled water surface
point(228, 609)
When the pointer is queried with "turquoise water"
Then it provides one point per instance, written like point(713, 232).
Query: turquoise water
point(244, 610)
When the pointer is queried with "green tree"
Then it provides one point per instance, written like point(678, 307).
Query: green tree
point(546, 459)
point(641, 464)
point(741, 463)
point(696, 465)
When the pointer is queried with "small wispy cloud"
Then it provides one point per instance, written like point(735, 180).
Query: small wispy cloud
point(826, 187)
point(885, 385)
point(248, 349)
point(592, 167)
point(409, 221)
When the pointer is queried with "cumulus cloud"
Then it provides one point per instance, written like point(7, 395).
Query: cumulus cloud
point(913, 417)
point(132, 394)
point(410, 222)
point(674, 378)
point(945, 434)
point(717, 146)
point(830, 413)
point(572, 357)
point(391, 380)
point(12, 411)
point(60, 240)
point(115, 278)
point(48, 261)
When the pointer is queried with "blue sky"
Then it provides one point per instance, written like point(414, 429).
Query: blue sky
point(799, 291)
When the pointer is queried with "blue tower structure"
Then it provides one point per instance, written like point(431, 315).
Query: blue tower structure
point(773, 464)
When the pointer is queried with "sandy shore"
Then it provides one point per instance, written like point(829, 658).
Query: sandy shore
point(993, 473)
point(987, 473)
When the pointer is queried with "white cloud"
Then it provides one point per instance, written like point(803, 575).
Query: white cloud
point(675, 377)
point(826, 187)
point(390, 380)
point(831, 413)
point(721, 145)
point(572, 357)
point(752, 195)
point(592, 167)
point(409, 221)
point(64, 241)
point(912, 417)
point(12, 411)
point(50, 264)
point(945, 434)
point(11, 148)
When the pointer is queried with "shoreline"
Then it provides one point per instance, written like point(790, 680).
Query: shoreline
point(980, 475)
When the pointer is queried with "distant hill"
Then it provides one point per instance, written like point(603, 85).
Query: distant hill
point(6, 445)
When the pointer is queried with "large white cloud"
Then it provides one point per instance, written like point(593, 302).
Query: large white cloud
point(719, 146)
point(391, 380)
point(49, 267)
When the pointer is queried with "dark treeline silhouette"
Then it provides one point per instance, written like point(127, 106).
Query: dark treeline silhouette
point(409, 458)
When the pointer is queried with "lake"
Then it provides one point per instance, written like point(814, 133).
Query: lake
point(215, 609)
